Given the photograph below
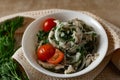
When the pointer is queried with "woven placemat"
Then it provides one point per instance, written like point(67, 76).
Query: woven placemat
point(112, 33)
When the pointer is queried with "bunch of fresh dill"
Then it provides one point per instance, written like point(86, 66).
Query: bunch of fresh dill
point(9, 69)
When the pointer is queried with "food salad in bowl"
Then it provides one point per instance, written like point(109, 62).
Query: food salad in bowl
point(65, 44)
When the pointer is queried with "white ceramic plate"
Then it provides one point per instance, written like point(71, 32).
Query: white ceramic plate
point(29, 41)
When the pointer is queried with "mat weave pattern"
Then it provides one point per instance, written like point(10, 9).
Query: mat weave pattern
point(112, 31)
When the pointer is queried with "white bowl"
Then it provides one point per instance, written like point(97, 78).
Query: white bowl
point(29, 41)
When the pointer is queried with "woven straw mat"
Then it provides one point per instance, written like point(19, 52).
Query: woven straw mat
point(111, 30)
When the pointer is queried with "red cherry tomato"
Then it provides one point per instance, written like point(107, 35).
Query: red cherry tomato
point(49, 24)
point(45, 52)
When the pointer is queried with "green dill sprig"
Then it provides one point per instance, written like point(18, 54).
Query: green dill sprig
point(9, 70)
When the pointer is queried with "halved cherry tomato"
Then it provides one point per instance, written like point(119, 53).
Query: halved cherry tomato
point(57, 57)
point(45, 52)
point(49, 24)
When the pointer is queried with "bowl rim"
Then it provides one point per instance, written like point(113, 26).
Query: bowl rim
point(64, 75)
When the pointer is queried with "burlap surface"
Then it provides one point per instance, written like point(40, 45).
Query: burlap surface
point(113, 37)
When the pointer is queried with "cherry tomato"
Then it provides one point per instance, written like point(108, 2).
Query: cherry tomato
point(49, 24)
point(45, 52)
point(56, 58)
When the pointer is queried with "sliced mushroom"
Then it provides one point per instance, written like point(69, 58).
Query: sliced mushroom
point(46, 65)
point(70, 69)
point(50, 66)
